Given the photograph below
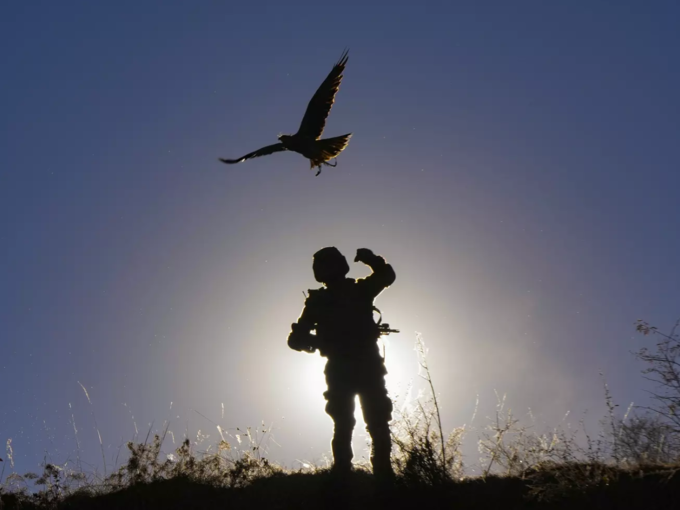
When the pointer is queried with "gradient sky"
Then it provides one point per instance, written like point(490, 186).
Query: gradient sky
point(516, 162)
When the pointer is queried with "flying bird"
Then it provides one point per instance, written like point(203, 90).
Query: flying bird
point(307, 141)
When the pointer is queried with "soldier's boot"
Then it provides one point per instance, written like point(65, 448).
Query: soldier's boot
point(380, 454)
point(342, 450)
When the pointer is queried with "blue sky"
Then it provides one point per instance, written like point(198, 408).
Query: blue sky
point(517, 164)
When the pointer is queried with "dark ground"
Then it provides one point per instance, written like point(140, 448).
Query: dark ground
point(655, 488)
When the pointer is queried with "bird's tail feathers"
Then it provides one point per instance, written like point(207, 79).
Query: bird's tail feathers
point(329, 148)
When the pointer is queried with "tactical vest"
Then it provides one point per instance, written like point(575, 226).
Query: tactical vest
point(343, 320)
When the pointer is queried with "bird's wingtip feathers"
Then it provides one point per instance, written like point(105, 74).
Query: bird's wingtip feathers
point(343, 58)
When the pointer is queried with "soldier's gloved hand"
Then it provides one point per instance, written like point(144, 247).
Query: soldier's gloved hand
point(298, 344)
point(299, 340)
point(364, 255)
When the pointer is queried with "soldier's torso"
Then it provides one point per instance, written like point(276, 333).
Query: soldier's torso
point(344, 320)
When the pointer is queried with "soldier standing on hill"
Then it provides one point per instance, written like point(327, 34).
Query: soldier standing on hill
point(341, 313)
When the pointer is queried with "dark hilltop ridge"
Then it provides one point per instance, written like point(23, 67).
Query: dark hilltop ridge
point(578, 486)
point(632, 463)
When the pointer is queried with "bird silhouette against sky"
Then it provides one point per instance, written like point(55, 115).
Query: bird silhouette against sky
point(307, 139)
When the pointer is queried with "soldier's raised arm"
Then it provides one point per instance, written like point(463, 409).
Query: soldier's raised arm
point(383, 275)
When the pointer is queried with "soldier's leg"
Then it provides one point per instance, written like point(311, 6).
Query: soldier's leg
point(377, 410)
point(340, 407)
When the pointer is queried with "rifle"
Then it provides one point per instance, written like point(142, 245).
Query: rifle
point(383, 329)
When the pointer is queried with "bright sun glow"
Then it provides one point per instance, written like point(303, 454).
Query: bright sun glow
point(315, 380)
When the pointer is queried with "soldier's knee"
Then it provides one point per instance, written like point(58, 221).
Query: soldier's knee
point(341, 409)
point(377, 410)
point(341, 418)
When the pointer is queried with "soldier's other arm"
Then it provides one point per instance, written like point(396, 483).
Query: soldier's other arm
point(383, 275)
point(300, 337)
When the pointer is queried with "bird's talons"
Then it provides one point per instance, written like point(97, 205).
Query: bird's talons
point(327, 164)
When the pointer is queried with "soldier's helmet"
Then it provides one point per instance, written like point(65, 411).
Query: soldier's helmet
point(329, 265)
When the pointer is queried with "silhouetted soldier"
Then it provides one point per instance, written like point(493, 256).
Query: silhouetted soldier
point(341, 313)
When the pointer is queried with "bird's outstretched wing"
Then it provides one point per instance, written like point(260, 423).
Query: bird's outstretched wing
point(321, 103)
point(264, 151)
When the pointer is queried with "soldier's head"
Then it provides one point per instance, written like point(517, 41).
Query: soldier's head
point(329, 265)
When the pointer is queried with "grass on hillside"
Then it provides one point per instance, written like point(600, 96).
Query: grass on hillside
point(632, 463)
